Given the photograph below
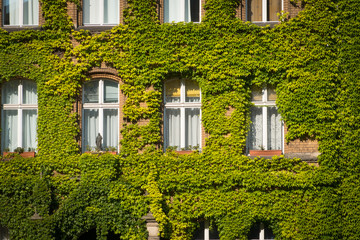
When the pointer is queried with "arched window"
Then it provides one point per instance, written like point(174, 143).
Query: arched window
point(19, 115)
point(100, 114)
point(260, 232)
point(182, 114)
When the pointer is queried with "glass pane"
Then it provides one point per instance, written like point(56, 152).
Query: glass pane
point(111, 129)
point(91, 92)
point(10, 92)
point(30, 12)
point(254, 233)
point(11, 12)
point(255, 138)
point(174, 10)
point(192, 91)
point(274, 7)
point(111, 91)
point(274, 129)
point(29, 92)
point(271, 94)
point(192, 126)
point(90, 129)
point(195, 10)
point(91, 11)
point(254, 10)
point(256, 94)
point(172, 128)
point(111, 11)
point(9, 131)
point(172, 91)
point(29, 130)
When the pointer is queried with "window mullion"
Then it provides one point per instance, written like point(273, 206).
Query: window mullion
point(182, 127)
point(262, 232)
point(264, 10)
point(101, 15)
point(21, 13)
point(20, 128)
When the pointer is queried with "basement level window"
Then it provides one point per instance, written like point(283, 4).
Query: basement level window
point(101, 12)
point(20, 12)
point(182, 11)
point(263, 10)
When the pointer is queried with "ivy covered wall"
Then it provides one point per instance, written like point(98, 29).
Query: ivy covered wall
point(312, 60)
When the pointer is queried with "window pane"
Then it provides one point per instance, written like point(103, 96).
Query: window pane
point(274, 129)
point(111, 129)
point(111, 93)
point(172, 91)
point(11, 12)
point(91, 11)
point(29, 129)
point(10, 92)
point(271, 94)
point(256, 94)
point(274, 7)
point(195, 10)
point(192, 91)
point(192, 127)
point(174, 10)
point(29, 92)
point(255, 138)
point(9, 129)
point(111, 11)
point(91, 92)
point(91, 128)
point(172, 131)
point(31, 12)
point(254, 10)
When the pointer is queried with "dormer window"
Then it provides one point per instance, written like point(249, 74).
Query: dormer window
point(20, 12)
point(263, 10)
point(182, 10)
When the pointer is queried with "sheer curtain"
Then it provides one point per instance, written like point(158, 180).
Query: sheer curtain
point(173, 127)
point(29, 129)
point(111, 91)
point(29, 92)
point(255, 138)
point(31, 12)
point(192, 126)
point(91, 11)
point(91, 127)
point(111, 130)
point(274, 129)
point(10, 92)
point(11, 12)
point(111, 11)
point(10, 129)
point(174, 10)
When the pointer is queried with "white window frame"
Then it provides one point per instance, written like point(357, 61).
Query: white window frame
point(21, 15)
point(264, 104)
point(264, 11)
point(101, 16)
point(20, 106)
point(261, 233)
point(101, 105)
point(182, 105)
point(182, 10)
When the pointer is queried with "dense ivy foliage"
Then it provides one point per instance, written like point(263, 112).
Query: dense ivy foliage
point(312, 60)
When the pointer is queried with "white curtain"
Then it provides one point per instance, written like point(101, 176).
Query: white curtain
point(172, 131)
point(91, 92)
point(255, 138)
point(91, 11)
point(111, 11)
point(111, 128)
point(9, 131)
point(29, 92)
point(10, 92)
point(192, 127)
point(11, 12)
point(111, 91)
point(31, 12)
point(29, 129)
point(91, 128)
point(174, 10)
point(274, 129)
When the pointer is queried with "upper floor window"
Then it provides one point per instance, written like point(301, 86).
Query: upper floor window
point(20, 12)
point(182, 10)
point(261, 232)
point(100, 114)
point(263, 10)
point(101, 12)
point(182, 114)
point(19, 115)
point(266, 129)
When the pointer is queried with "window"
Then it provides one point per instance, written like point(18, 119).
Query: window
point(19, 115)
point(20, 12)
point(263, 10)
point(101, 12)
point(206, 232)
point(260, 232)
point(100, 114)
point(182, 10)
point(182, 114)
point(266, 129)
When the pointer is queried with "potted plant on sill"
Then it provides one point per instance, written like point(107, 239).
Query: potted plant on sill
point(20, 151)
point(182, 151)
point(95, 150)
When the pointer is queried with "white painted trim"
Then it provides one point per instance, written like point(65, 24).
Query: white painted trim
point(206, 230)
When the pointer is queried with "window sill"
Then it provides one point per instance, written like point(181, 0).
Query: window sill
point(264, 24)
point(260, 153)
point(24, 154)
point(18, 28)
point(183, 152)
point(101, 152)
point(96, 28)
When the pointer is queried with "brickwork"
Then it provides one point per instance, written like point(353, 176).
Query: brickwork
point(73, 13)
point(1, 13)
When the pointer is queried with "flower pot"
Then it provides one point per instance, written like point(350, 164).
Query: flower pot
point(265, 152)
